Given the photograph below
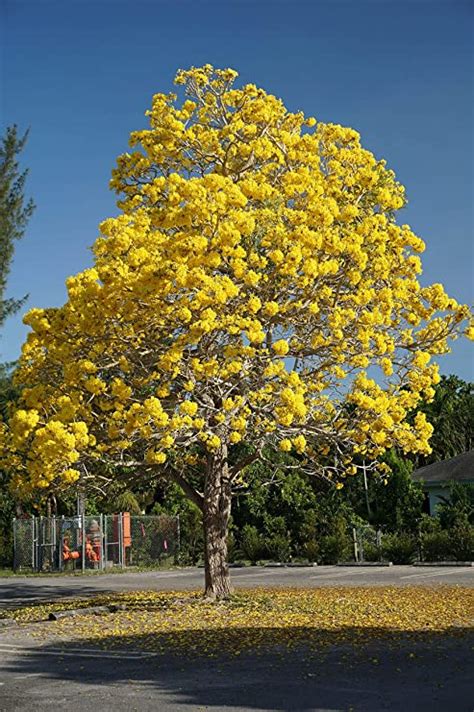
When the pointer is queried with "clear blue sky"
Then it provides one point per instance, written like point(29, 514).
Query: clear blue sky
point(81, 74)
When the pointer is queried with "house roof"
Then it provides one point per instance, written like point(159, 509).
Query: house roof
point(459, 469)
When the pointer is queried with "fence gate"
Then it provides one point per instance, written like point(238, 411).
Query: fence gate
point(46, 542)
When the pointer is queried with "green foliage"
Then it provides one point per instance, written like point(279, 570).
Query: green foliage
point(450, 535)
point(372, 552)
point(399, 503)
point(251, 543)
point(333, 549)
point(458, 509)
point(14, 216)
point(462, 539)
point(310, 550)
point(125, 502)
point(287, 518)
point(277, 542)
point(14, 211)
point(148, 541)
point(192, 537)
point(7, 504)
point(451, 413)
point(190, 518)
point(400, 548)
point(437, 546)
point(7, 513)
point(8, 391)
point(454, 544)
point(395, 501)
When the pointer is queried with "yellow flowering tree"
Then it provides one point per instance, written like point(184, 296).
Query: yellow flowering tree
point(254, 288)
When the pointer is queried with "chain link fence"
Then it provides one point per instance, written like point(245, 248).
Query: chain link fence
point(98, 542)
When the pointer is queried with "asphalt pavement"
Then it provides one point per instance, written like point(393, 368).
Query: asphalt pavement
point(432, 675)
point(429, 672)
point(16, 590)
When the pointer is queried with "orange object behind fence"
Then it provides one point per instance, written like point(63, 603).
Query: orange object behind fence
point(122, 536)
point(95, 539)
point(67, 553)
point(91, 554)
point(126, 529)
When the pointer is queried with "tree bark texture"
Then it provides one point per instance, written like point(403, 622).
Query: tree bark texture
point(216, 513)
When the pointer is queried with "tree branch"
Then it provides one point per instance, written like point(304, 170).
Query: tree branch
point(239, 466)
point(188, 489)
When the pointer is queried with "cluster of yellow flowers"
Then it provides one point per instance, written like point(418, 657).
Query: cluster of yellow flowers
point(254, 275)
point(52, 447)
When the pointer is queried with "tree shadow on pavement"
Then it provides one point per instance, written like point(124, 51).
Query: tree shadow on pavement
point(31, 592)
point(296, 669)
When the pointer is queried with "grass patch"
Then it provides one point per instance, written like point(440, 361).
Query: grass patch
point(8, 573)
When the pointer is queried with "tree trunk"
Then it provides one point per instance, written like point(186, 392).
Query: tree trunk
point(216, 513)
point(80, 502)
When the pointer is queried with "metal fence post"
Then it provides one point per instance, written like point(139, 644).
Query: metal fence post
point(15, 545)
point(61, 544)
point(33, 547)
point(54, 553)
point(178, 540)
point(106, 552)
point(120, 541)
point(378, 540)
point(356, 549)
point(101, 524)
point(40, 543)
point(83, 548)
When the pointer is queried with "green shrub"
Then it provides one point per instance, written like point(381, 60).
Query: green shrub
point(310, 550)
point(372, 552)
point(251, 543)
point(277, 547)
point(333, 549)
point(276, 540)
point(455, 544)
point(400, 548)
point(437, 546)
point(6, 548)
point(457, 509)
point(232, 551)
point(462, 538)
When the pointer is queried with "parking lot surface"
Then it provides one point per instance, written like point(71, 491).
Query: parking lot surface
point(16, 590)
point(427, 672)
point(431, 676)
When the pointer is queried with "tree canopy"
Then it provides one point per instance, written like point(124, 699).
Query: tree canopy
point(255, 288)
point(451, 413)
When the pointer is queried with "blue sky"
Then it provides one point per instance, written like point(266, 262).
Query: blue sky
point(81, 74)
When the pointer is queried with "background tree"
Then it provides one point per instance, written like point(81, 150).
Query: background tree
point(396, 502)
point(255, 273)
point(174, 502)
point(15, 212)
point(451, 413)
